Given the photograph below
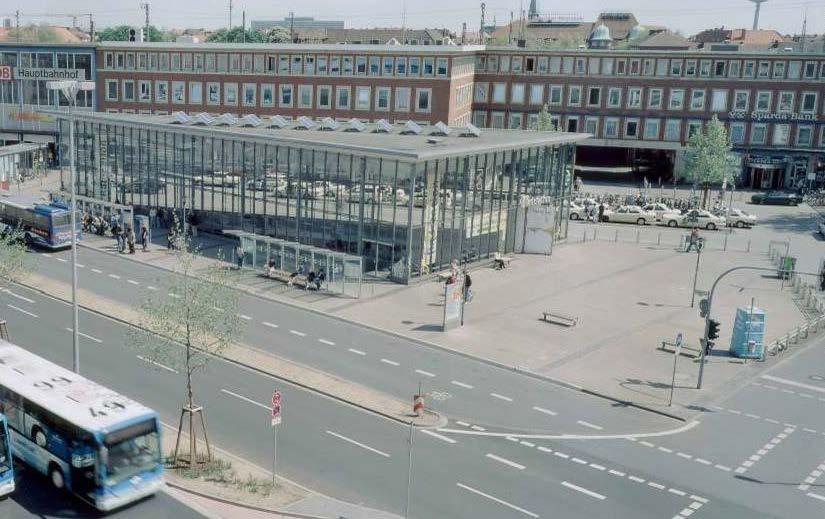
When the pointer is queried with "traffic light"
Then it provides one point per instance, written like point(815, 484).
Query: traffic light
point(132, 35)
point(713, 329)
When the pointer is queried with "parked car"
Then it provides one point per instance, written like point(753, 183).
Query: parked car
point(144, 186)
point(740, 218)
point(777, 198)
point(576, 211)
point(695, 217)
point(630, 214)
point(660, 209)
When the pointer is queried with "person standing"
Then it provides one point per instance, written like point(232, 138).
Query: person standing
point(693, 240)
point(239, 254)
point(118, 232)
point(468, 282)
point(130, 238)
point(601, 212)
point(144, 238)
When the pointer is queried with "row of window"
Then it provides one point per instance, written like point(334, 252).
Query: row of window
point(696, 99)
point(253, 95)
point(63, 60)
point(283, 64)
point(655, 129)
point(652, 67)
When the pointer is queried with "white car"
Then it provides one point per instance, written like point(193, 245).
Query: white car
point(660, 209)
point(695, 217)
point(576, 211)
point(630, 214)
point(740, 218)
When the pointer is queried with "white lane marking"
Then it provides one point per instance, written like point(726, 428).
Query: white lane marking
point(296, 332)
point(590, 425)
point(683, 455)
point(61, 260)
point(95, 339)
point(46, 255)
point(132, 282)
point(636, 479)
point(461, 384)
point(703, 461)
point(22, 311)
point(158, 364)
point(245, 317)
point(815, 496)
point(436, 435)
point(501, 397)
point(545, 449)
point(579, 461)
point(97, 271)
point(505, 461)
point(771, 420)
point(808, 430)
point(114, 276)
point(173, 295)
point(665, 449)
point(425, 373)
point(150, 287)
point(357, 352)
point(80, 265)
point(646, 444)
point(561, 455)
point(18, 296)
point(271, 325)
point(528, 444)
point(358, 444)
point(677, 492)
point(655, 485)
point(631, 436)
point(617, 473)
point(480, 429)
point(390, 362)
point(751, 415)
point(328, 343)
point(794, 383)
point(497, 500)
point(698, 498)
point(545, 411)
point(245, 399)
point(583, 490)
point(463, 424)
point(723, 467)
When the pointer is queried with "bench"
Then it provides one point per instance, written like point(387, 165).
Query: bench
point(285, 277)
point(564, 320)
point(501, 261)
point(686, 351)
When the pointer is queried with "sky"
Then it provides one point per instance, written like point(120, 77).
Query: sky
point(785, 16)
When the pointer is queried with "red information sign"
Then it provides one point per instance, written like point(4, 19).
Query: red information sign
point(276, 408)
point(5, 73)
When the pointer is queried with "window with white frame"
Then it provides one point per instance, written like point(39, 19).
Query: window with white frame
point(111, 89)
point(305, 96)
point(324, 96)
point(415, 66)
point(342, 94)
point(781, 134)
point(661, 67)
point(804, 135)
point(497, 120)
point(631, 128)
point(362, 98)
point(785, 103)
point(178, 92)
point(128, 90)
point(697, 99)
point(428, 66)
point(737, 133)
point(499, 92)
point(536, 93)
point(652, 129)
point(213, 94)
point(690, 67)
point(423, 99)
point(574, 95)
point(719, 100)
point(591, 126)
point(195, 93)
point(268, 95)
point(144, 91)
point(555, 94)
point(230, 94)
point(704, 67)
point(634, 97)
point(654, 99)
point(375, 65)
point(517, 93)
point(285, 96)
point(579, 65)
point(808, 104)
point(480, 118)
point(594, 96)
point(673, 130)
point(677, 99)
point(400, 66)
point(323, 67)
point(676, 67)
point(614, 97)
point(382, 99)
point(607, 66)
point(810, 70)
point(249, 91)
point(481, 91)
point(740, 99)
point(693, 127)
point(734, 68)
point(572, 123)
point(764, 69)
point(161, 91)
point(532, 121)
point(748, 71)
point(514, 122)
point(402, 99)
point(441, 66)
point(611, 128)
point(387, 67)
point(778, 69)
point(794, 69)
point(759, 133)
point(763, 101)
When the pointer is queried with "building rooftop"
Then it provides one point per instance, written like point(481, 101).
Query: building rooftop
point(398, 142)
point(292, 47)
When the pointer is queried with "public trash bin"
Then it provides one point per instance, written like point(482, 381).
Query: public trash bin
point(747, 340)
point(787, 267)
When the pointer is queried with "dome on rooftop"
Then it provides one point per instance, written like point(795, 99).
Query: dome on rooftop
point(601, 33)
point(638, 31)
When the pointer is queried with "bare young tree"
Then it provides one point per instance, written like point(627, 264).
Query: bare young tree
point(12, 255)
point(187, 330)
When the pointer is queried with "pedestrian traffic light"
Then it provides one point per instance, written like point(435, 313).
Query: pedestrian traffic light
point(132, 35)
point(713, 329)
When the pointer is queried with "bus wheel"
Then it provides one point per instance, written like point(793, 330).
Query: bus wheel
point(39, 436)
point(56, 477)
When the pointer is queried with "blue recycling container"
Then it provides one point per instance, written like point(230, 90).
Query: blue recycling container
point(747, 339)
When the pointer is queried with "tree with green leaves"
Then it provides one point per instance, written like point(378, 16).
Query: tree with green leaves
point(545, 122)
point(34, 33)
point(12, 255)
point(121, 33)
point(187, 331)
point(236, 35)
point(708, 158)
point(278, 34)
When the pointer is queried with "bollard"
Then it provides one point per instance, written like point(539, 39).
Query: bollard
point(616, 236)
point(659, 239)
point(638, 235)
point(584, 235)
point(749, 246)
point(725, 245)
point(594, 233)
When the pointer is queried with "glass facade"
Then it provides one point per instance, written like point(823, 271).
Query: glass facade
point(405, 217)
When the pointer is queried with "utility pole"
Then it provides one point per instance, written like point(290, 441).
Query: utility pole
point(463, 32)
point(230, 15)
point(804, 28)
point(91, 28)
point(17, 21)
point(510, 32)
point(404, 22)
point(481, 28)
point(243, 26)
point(291, 27)
point(145, 7)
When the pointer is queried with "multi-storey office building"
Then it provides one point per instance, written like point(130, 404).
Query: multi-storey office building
point(24, 71)
point(407, 199)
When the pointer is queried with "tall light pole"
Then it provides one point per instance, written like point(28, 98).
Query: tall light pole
point(70, 89)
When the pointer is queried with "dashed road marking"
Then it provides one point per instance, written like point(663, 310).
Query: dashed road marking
point(18, 296)
point(505, 461)
point(26, 312)
point(94, 339)
point(461, 384)
point(173, 295)
point(589, 425)
point(271, 325)
point(296, 332)
point(150, 287)
point(62, 260)
point(390, 362)
point(584, 491)
point(439, 436)
point(357, 352)
point(425, 373)
point(245, 317)
point(245, 399)
point(497, 500)
point(501, 397)
point(114, 276)
point(132, 282)
point(157, 364)
point(545, 411)
point(359, 444)
point(328, 343)
point(97, 271)
point(776, 440)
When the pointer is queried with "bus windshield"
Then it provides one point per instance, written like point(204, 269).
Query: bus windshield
point(5, 457)
point(131, 451)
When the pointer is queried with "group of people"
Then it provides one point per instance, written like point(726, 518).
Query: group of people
point(594, 213)
point(313, 279)
point(126, 238)
point(454, 277)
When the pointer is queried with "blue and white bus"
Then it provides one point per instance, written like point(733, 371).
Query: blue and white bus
point(43, 223)
point(90, 440)
point(6, 465)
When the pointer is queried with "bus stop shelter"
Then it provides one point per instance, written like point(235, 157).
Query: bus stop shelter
point(17, 161)
point(344, 272)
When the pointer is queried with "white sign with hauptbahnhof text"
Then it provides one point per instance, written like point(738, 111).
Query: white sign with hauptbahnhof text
point(49, 74)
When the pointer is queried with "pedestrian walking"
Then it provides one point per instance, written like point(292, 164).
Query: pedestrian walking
point(130, 238)
point(144, 238)
point(118, 233)
point(693, 240)
point(239, 254)
point(468, 293)
point(822, 279)
point(601, 212)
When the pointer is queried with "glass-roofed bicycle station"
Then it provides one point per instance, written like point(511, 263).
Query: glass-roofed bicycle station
point(404, 199)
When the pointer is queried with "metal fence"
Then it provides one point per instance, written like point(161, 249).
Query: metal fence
point(723, 240)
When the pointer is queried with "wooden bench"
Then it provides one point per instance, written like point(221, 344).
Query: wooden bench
point(285, 277)
point(564, 320)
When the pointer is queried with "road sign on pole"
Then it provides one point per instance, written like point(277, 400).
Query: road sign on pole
point(679, 343)
point(276, 421)
point(276, 408)
point(676, 352)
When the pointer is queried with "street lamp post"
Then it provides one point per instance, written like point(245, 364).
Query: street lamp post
point(70, 89)
point(696, 273)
